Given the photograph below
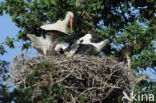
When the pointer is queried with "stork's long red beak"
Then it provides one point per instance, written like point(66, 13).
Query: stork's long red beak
point(71, 24)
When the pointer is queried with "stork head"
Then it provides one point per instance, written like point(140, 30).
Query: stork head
point(70, 15)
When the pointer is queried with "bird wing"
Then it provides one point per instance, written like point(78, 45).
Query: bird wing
point(96, 39)
point(64, 36)
point(56, 34)
point(59, 25)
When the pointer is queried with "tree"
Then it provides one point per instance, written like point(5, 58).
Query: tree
point(129, 25)
point(4, 94)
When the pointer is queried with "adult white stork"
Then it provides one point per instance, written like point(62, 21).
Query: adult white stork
point(85, 45)
point(60, 25)
point(53, 31)
point(44, 41)
point(87, 49)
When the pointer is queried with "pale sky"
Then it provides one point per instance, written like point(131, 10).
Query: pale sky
point(8, 28)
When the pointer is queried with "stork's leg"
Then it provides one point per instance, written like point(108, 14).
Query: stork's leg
point(50, 51)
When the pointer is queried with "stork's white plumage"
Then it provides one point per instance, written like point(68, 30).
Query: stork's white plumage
point(87, 40)
point(41, 44)
point(60, 47)
point(85, 45)
point(44, 41)
point(60, 25)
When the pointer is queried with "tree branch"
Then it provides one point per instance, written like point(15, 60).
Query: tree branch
point(128, 61)
point(138, 80)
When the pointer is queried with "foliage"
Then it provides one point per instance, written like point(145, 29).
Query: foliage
point(146, 87)
point(4, 95)
point(9, 41)
point(128, 24)
point(2, 50)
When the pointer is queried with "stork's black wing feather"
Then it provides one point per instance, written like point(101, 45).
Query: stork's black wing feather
point(72, 38)
point(65, 36)
point(86, 49)
point(96, 39)
point(56, 34)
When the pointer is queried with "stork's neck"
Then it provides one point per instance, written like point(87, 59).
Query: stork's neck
point(66, 20)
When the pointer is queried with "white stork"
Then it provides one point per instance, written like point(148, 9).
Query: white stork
point(44, 41)
point(60, 25)
point(53, 31)
point(85, 45)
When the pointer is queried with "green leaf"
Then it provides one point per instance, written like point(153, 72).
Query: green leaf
point(2, 50)
point(10, 42)
point(26, 46)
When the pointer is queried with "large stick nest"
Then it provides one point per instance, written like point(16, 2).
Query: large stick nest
point(100, 80)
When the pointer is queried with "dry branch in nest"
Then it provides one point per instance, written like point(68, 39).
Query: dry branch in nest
point(100, 80)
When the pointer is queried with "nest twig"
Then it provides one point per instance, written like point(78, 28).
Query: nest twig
point(98, 79)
